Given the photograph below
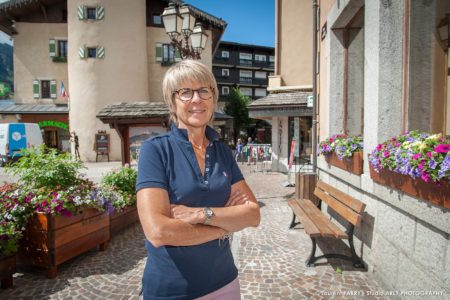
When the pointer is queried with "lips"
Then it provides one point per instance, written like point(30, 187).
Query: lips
point(197, 111)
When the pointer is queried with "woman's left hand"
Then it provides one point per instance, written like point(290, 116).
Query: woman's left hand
point(191, 215)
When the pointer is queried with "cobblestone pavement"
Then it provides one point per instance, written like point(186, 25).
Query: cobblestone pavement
point(270, 260)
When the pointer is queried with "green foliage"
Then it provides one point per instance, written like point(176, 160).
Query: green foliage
point(122, 182)
point(42, 167)
point(237, 106)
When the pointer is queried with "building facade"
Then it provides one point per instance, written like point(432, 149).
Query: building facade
point(86, 55)
point(245, 66)
point(286, 106)
point(384, 70)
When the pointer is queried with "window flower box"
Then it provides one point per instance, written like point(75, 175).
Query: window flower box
point(437, 194)
point(50, 240)
point(7, 269)
point(354, 164)
point(344, 152)
point(417, 164)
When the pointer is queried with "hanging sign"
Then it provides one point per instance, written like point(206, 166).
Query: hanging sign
point(53, 124)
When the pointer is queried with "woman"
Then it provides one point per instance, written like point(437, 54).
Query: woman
point(239, 147)
point(190, 195)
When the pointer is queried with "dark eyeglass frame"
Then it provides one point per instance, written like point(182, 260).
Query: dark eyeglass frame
point(193, 93)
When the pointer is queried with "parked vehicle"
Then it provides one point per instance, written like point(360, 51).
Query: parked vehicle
point(17, 136)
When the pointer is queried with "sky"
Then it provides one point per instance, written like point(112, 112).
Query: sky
point(249, 21)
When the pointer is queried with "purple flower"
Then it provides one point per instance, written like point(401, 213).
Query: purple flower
point(432, 164)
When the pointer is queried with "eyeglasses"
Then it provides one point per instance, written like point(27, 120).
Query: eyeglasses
point(205, 93)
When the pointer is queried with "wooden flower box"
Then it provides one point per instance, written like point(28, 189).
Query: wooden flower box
point(429, 191)
point(353, 164)
point(7, 269)
point(51, 240)
point(120, 220)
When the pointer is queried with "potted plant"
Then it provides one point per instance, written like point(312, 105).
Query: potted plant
point(344, 152)
point(416, 163)
point(14, 216)
point(119, 186)
point(68, 217)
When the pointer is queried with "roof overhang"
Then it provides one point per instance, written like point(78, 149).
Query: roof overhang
point(291, 103)
point(34, 109)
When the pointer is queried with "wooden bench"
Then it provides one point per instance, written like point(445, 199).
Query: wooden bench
point(316, 224)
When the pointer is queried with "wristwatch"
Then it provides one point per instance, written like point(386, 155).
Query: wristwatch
point(208, 214)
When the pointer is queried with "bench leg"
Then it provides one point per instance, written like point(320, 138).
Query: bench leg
point(293, 223)
point(312, 257)
point(357, 262)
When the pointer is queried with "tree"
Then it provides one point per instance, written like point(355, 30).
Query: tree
point(237, 106)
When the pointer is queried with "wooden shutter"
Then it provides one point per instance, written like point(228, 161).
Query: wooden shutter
point(100, 52)
point(53, 89)
point(82, 52)
point(100, 13)
point(81, 12)
point(159, 52)
point(52, 47)
point(36, 89)
point(177, 55)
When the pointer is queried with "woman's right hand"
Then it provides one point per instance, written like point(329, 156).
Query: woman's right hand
point(237, 198)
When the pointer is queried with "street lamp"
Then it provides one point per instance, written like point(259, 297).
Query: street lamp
point(186, 36)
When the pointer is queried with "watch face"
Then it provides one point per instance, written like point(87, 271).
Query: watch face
point(209, 212)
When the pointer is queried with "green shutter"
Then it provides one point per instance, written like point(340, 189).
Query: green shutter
point(36, 89)
point(159, 51)
point(177, 55)
point(100, 12)
point(81, 12)
point(82, 52)
point(53, 89)
point(100, 52)
point(52, 47)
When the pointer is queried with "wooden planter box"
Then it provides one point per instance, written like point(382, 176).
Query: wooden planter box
point(123, 219)
point(7, 269)
point(353, 164)
point(439, 195)
point(51, 240)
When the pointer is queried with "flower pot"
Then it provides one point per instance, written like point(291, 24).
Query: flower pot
point(120, 220)
point(7, 269)
point(353, 164)
point(51, 240)
point(429, 191)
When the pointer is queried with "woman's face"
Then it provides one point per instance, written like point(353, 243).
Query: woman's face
point(197, 111)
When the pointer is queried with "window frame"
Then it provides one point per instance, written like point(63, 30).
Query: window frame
point(90, 50)
point(169, 50)
point(227, 71)
point(89, 11)
point(223, 90)
point(43, 89)
point(227, 54)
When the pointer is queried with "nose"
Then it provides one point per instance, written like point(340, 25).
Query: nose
point(196, 97)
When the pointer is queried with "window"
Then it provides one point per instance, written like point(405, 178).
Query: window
point(91, 13)
point(247, 74)
point(156, 19)
point(45, 89)
point(245, 56)
point(225, 54)
point(91, 52)
point(225, 72)
point(168, 54)
point(260, 57)
point(261, 75)
point(260, 92)
point(272, 58)
point(62, 48)
point(225, 90)
point(246, 91)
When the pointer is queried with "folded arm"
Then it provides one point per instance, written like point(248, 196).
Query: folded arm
point(163, 230)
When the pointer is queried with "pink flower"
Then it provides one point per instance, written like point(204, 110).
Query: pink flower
point(422, 163)
point(416, 156)
point(379, 147)
point(443, 148)
point(426, 177)
point(386, 154)
point(430, 154)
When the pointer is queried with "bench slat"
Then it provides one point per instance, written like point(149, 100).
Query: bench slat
point(326, 226)
point(351, 202)
point(308, 225)
point(343, 210)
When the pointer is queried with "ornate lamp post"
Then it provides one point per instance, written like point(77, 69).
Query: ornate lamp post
point(186, 36)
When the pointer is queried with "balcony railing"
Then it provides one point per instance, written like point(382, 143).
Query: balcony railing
point(245, 80)
point(223, 60)
point(246, 62)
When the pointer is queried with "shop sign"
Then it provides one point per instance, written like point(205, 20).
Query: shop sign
point(53, 124)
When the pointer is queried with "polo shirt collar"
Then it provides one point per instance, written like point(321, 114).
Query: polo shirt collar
point(182, 133)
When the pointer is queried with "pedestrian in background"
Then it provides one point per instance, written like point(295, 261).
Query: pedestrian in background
point(249, 150)
point(191, 195)
point(239, 147)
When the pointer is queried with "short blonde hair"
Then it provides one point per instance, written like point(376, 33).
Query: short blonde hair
point(182, 72)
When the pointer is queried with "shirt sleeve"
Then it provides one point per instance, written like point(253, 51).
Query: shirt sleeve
point(151, 167)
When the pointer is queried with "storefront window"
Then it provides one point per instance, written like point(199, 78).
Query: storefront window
point(304, 131)
point(138, 134)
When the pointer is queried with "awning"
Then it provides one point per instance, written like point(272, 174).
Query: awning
point(281, 104)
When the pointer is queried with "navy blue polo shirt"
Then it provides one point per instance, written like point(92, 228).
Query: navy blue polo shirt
point(168, 162)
